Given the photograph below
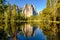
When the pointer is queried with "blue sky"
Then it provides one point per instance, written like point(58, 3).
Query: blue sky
point(39, 4)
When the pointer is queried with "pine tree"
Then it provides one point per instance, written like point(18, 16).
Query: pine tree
point(13, 22)
point(2, 6)
point(7, 20)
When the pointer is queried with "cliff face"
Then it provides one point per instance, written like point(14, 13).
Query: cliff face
point(28, 10)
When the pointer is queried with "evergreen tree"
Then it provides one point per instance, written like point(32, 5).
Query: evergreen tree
point(13, 22)
point(7, 20)
point(2, 6)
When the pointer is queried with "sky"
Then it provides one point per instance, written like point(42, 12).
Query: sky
point(39, 4)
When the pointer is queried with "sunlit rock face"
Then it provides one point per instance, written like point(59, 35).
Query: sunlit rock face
point(29, 10)
point(58, 1)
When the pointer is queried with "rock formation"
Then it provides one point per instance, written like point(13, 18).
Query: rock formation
point(29, 10)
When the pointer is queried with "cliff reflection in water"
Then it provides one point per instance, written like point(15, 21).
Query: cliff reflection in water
point(26, 31)
point(31, 32)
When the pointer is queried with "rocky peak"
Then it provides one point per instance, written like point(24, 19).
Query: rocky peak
point(28, 10)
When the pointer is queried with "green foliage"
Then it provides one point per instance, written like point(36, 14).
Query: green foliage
point(2, 6)
point(49, 19)
point(48, 3)
point(2, 2)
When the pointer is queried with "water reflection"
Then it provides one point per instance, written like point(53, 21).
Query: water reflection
point(22, 31)
point(31, 33)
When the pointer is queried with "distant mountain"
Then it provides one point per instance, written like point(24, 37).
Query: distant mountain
point(29, 10)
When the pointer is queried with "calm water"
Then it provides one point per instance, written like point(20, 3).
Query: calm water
point(37, 35)
point(26, 31)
